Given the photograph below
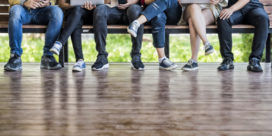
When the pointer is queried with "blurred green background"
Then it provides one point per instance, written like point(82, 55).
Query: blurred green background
point(119, 47)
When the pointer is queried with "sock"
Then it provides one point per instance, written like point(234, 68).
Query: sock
point(160, 59)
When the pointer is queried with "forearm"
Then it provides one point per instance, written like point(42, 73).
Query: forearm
point(239, 5)
point(131, 2)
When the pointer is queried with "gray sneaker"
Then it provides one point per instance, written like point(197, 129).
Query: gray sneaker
point(133, 28)
point(166, 64)
point(56, 48)
point(208, 49)
point(79, 66)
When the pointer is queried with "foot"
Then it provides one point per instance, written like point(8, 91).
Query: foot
point(56, 48)
point(254, 65)
point(79, 66)
point(137, 63)
point(14, 63)
point(227, 64)
point(49, 62)
point(133, 28)
point(100, 63)
point(208, 49)
point(166, 64)
point(190, 66)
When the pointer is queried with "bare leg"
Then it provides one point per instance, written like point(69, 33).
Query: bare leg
point(142, 19)
point(195, 41)
point(160, 52)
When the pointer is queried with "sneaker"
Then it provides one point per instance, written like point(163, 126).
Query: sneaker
point(190, 66)
point(227, 64)
point(79, 66)
point(208, 49)
point(56, 48)
point(166, 64)
point(137, 63)
point(49, 62)
point(133, 28)
point(254, 65)
point(100, 63)
point(14, 63)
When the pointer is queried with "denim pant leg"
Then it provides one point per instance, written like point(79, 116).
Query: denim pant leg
point(225, 33)
point(18, 15)
point(52, 16)
point(77, 41)
point(155, 8)
point(258, 18)
point(133, 12)
point(73, 19)
point(173, 13)
point(158, 30)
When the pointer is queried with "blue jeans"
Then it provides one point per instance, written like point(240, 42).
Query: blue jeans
point(160, 13)
point(51, 16)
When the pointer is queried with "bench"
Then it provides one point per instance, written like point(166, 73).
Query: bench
point(114, 29)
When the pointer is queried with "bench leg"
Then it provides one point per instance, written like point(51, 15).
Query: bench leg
point(167, 52)
point(268, 49)
point(63, 56)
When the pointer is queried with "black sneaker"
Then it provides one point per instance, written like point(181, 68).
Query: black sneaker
point(100, 63)
point(190, 66)
point(137, 63)
point(166, 64)
point(227, 64)
point(208, 49)
point(14, 63)
point(254, 65)
point(133, 28)
point(49, 62)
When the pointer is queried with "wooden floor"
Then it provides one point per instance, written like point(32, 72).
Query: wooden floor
point(122, 102)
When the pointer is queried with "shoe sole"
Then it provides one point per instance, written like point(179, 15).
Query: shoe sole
point(13, 70)
point(78, 69)
point(104, 67)
point(55, 51)
point(50, 68)
point(132, 33)
point(209, 52)
point(139, 69)
point(190, 69)
point(249, 69)
point(170, 68)
point(230, 68)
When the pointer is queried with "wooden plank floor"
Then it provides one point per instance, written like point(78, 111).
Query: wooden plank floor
point(122, 102)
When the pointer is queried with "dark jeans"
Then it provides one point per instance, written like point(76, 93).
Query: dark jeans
point(252, 16)
point(51, 16)
point(76, 17)
point(160, 13)
point(104, 15)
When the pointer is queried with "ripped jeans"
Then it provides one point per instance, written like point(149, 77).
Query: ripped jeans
point(160, 13)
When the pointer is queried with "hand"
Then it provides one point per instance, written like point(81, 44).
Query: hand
point(179, 1)
point(32, 4)
point(214, 2)
point(226, 13)
point(44, 3)
point(123, 6)
point(88, 5)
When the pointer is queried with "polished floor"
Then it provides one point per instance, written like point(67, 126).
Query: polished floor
point(122, 102)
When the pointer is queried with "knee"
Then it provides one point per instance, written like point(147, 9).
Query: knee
point(77, 10)
point(100, 11)
point(263, 20)
point(56, 13)
point(193, 7)
point(15, 13)
point(223, 23)
point(134, 10)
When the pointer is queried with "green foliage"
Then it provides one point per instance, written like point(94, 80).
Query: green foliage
point(119, 47)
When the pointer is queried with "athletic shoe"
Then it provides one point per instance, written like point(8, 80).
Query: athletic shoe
point(79, 66)
point(133, 28)
point(56, 48)
point(137, 63)
point(190, 66)
point(208, 49)
point(14, 63)
point(49, 62)
point(166, 64)
point(100, 63)
point(254, 65)
point(227, 64)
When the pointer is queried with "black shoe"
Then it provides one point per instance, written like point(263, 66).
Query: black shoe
point(137, 63)
point(49, 62)
point(254, 65)
point(227, 64)
point(100, 63)
point(14, 63)
point(190, 66)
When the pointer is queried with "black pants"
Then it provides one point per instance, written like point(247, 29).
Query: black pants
point(252, 16)
point(104, 15)
point(76, 17)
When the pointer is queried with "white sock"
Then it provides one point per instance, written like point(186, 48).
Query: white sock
point(160, 59)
